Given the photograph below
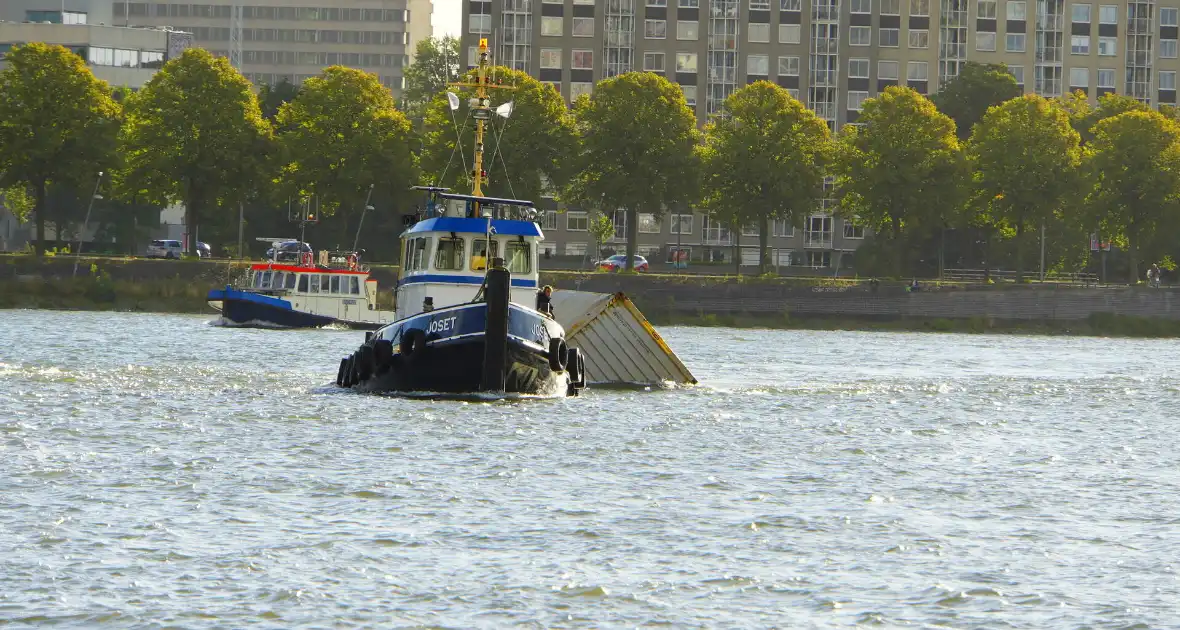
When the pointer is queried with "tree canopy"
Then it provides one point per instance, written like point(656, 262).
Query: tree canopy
point(436, 62)
point(1134, 161)
point(967, 97)
point(903, 172)
point(637, 149)
point(764, 159)
point(1026, 156)
point(341, 135)
point(58, 124)
point(194, 134)
point(273, 97)
point(523, 154)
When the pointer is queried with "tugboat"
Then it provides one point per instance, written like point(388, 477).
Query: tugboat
point(464, 321)
point(303, 292)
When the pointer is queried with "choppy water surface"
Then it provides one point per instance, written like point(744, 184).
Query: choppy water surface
point(155, 470)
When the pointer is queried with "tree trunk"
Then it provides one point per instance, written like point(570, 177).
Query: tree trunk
point(1020, 252)
point(764, 246)
point(39, 208)
point(191, 211)
point(632, 218)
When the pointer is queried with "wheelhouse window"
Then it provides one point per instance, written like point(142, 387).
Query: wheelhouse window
point(355, 285)
point(315, 284)
point(479, 253)
point(520, 258)
point(449, 255)
point(325, 284)
point(290, 281)
point(303, 283)
point(335, 284)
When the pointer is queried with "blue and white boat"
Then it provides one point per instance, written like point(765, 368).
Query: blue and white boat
point(465, 320)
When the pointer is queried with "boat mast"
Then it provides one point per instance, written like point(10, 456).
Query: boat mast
point(482, 112)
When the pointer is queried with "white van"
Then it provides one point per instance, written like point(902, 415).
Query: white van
point(164, 249)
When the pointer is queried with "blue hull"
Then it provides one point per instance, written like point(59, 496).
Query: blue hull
point(248, 308)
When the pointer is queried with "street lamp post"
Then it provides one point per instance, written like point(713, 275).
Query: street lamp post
point(94, 195)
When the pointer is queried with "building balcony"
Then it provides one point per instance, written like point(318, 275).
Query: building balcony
point(817, 240)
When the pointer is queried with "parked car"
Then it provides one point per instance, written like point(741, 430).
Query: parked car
point(203, 250)
point(288, 251)
point(165, 249)
point(619, 262)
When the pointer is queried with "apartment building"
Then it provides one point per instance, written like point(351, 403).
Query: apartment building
point(297, 39)
point(830, 54)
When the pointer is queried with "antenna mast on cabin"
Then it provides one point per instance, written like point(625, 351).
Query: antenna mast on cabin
point(235, 35)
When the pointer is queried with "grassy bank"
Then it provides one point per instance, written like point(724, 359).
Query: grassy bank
point(1097, 325)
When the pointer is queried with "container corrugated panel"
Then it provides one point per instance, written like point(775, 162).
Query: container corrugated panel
point(619, 344)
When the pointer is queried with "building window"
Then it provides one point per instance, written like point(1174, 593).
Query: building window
point(648, 223)
point(578, 89)
point(551, 26)
point(549, 220)
point(576, 222)
point(856, 100)
point(852, 230)
point(919, 38)
point(788, 66)
point(860, 36)
point(1108, 14)
point(819, 259)
point(758, 65)
point(657, 3)
point(583, 27)
point(790, 5)
point(758, 33)
point(858, 68)
point(689, 4)
point(917, 71)
point(1168, 80)
point(551, 58)
point(919, 7)
point(861, 6)
point(1081, 13)
point(1017, 10)
point(985, 41)
point(716, 232)
point(890, 7)
point(655, 29)
point(986, 9)
point(1079, 77)
point(794, 92)
point(759, 5)
point(1014, 42)
point(688, 31)
point(1079, 44)
point(789, 33)
point(1106, 79)
point(690, 94)
point(574, 249)
point(1168, 16)
point(686, 62)
point(583, 60)
point(1167, 49)
point(653, 62)
point(782, 227)
point(889, 37)
point(481, 24)
point(887, 70)
point(682, 224)
point(1107, 46)
point(1017, 73)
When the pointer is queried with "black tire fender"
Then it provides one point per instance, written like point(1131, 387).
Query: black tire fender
point(413, 344)
point(382, 353)
point(558, 354)
point(340, 373)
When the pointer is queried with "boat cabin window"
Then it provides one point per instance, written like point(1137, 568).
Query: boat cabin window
point(450, 254)
point(291, 281)
point(315, 284)
point(479, 253)
point(303, 283)
point(325, 284)
point(257, 283)
point(421, 253)
point(279, 281)
point(520, 258)
point(335, 284)
point(356, 285)
point(265, 280)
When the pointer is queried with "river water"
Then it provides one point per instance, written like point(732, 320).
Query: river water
point(156, 470)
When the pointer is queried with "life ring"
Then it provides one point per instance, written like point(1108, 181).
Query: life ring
point(413, 344)
point(351, 261)
point(558, 354)
point(307, 259)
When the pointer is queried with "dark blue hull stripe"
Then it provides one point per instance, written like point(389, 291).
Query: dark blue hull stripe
point(444, 278)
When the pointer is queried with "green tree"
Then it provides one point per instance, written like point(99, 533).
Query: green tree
point(523, 154)
point(903, 173)
point(1026, 156)
point(967, 97)
point(1083, 116)
point(637, 149)
point(58, 124)
point(602, 229)
point(765, 159)
point(1134, 161)
point(194, 134)
point(340, 136)
point(436, 63)
point(273, 97)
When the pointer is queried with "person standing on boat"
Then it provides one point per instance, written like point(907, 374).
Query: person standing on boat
point(545, 301)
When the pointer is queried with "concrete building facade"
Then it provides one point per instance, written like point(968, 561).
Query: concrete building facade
point(125, 57)
point(296, 39)
point(830, 54)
